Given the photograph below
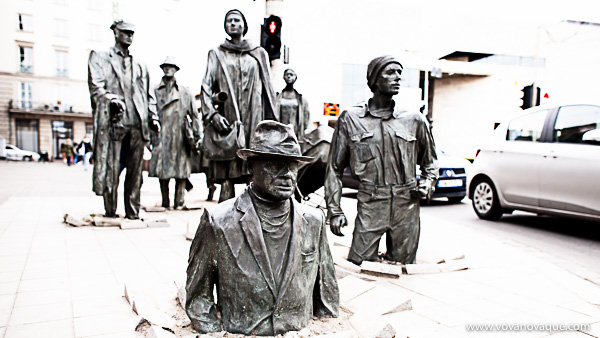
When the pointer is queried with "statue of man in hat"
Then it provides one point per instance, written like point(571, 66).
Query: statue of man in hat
point(266, 254)
point(382, 144)
point(180, 135)
point(293, 109)
point(124, 111)
point(240, 70)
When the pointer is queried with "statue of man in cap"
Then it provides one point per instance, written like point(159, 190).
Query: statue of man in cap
point(180, 135)
point(241, 71)
point(266, 254)
point(124, 111)
point(382, 144)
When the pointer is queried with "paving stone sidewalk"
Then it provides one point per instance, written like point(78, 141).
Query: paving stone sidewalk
point(62, 281)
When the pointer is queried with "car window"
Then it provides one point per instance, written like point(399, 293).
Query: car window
point(7, 147)
point(527, 128)
point(574, 121)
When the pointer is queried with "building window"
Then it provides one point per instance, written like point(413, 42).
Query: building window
point(61, 63)
point(61, 131)
point(61, 28)
point(354, 85)
point(95, 32)
point(26, 59)
point(25, 101)
point(61, 98)
point(25, 23)
point(27, 134)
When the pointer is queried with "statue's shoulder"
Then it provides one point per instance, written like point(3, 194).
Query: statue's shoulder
point(221, 213)
point(311, 214)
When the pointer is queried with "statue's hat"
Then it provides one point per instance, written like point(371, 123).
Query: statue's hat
point(275, 140)
point(170, 61)
point(123, 25)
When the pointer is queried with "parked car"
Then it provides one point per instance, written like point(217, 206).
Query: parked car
point(452, 183)
point(13, 153)
point(546, 161)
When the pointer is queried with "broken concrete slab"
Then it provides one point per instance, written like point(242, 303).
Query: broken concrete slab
point(190, 231)
point(181, 294)
point(127, 224)
point(413, 269)
point(101, 221)
point(144, 305)
point(155, 209)
point(158, 332)
point(157, 222)
point(377, 301)
point(388, 331)
point(454, 265)
point(406, 306)
point(351, 287)
point(77, 221)
point(344, 264)
point(193, 205)
point(367, 324)
point(381, 269)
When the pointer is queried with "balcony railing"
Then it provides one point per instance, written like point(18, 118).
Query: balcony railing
point(27, 69)
point(32, 106)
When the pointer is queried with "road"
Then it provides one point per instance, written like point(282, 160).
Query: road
point(574, 241)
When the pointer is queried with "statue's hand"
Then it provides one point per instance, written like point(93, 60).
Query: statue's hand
point(336, 223)
point(220, 123)
point(155, 126)
point(120, 104)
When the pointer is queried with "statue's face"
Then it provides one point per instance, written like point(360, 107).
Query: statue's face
point(388, 81)
point(124, 37)
point(289, 76)
point(234, 24)
point(275, 179)
point(169, 70)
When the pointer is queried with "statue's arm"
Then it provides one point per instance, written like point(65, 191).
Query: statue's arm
point(339, 154)
point(326, 295)
point(152, 115)
point(201, 279)
point(96, 78)
point(426, 156)
point(208, 84)
point(193, 113)
point(306, 114)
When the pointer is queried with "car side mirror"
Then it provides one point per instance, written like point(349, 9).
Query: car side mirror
point(591, 137)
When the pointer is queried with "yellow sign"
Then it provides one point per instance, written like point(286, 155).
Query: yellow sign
point(332, 109)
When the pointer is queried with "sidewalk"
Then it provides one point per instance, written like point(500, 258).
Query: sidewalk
point(62, 281)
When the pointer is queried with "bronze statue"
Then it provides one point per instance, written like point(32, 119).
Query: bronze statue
point(124, 110)
point(266, 254)
point(293, 109)
point(240, 70)
point(382, 144)
point(180, 135)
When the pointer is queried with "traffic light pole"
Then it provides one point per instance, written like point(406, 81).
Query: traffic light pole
point(275, 7)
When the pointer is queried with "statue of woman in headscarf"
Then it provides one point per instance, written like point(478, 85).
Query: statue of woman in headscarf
point(249, 95)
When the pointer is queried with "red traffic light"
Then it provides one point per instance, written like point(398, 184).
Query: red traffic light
point(272, 26)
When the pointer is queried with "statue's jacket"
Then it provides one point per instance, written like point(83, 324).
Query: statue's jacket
point(105, 82)
point(229, 252)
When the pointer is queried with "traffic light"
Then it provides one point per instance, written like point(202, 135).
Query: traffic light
point(528, 99)
point(271, 37)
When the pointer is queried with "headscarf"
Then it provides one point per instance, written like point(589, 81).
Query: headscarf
point(236, 11)
point(376, 66)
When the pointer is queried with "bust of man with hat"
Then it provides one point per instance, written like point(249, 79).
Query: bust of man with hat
point(382, 143)
point(266, 254)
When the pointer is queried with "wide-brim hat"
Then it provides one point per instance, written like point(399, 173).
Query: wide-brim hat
point(170, 61)
point(274, 140)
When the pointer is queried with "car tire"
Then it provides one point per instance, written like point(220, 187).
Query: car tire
point(485, 200)
point(27, 158)
point(455, 200)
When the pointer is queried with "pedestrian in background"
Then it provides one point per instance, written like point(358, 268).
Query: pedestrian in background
point(85, 147)
point(66, 149)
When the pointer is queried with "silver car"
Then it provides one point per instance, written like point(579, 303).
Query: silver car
point(545, 161)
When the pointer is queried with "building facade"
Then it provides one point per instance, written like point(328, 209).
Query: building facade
point(44, 96)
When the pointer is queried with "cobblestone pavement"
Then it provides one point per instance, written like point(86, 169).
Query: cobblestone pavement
point(62, 281)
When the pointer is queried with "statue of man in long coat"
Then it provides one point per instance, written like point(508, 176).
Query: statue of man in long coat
point(172, 148)
point(124, 111)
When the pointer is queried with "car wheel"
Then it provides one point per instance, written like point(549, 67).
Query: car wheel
point(485, 200)
point(457, 199)
point(27, 158)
